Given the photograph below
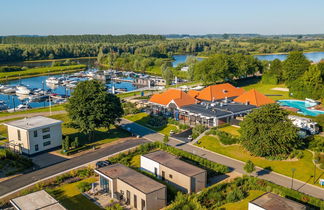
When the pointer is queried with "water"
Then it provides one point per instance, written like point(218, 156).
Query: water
point(181, 59)
point(39, 82)
point(313, 56)
point(302, 106)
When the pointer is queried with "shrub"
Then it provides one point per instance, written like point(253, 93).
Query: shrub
point(83, 173)
point(226, 138)
point(234, 196)
point(84, 186)
point(296, 154)
point(156, 121)
point(197, 130)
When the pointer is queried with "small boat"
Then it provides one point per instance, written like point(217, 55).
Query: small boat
point(9, 89)
point(53, 80)
point(20, 107)
point(2, 87)
point(22, 90)
point(3, 106)
point(37, 98)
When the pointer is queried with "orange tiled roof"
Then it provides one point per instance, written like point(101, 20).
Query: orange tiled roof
point(193, 93)
point(254, 98)
point(216, 92)
point(179, 97)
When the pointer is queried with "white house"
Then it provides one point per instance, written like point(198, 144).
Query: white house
point(35, 134)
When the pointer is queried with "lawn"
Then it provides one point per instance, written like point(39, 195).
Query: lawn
point(71, 198)
point(44, 109)
point(41, 70)
point(304, 167)
point(101, 135)
point(142, 119)
point(243, 204)
point(231, 130)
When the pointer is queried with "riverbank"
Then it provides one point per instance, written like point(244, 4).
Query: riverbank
point(32, 72)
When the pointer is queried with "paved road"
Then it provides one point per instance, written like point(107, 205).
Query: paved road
point(26, 179)
point(234, 165)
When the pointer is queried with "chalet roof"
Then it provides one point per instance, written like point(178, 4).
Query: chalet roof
point(179, 97)
point(33, 122)
point(254, 97)
point(220, 91)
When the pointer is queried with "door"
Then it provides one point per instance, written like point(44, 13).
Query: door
point(143, 204)
point(163, 175)
point(155, 171)
point(135, 201)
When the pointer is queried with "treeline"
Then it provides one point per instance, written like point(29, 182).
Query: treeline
point(74, 39)
point(222, 67)
point(154, 48)
point(304, 80)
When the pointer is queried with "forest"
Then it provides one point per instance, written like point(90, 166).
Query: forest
point(56, 47)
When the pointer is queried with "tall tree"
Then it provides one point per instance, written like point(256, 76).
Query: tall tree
point(91, 106)
point(294, 66)
point(267, 131)
point(167, 74)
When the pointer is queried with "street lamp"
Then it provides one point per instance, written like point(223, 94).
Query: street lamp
point(292, 177)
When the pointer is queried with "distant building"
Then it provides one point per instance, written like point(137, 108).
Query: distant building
point(35, 134)
point(132, 187)
point(186, 177)
point(270, 201)
point(36, 200)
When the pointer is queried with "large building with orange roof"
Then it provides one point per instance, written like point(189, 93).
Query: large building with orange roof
point(212, 106)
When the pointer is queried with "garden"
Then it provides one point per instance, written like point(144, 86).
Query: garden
point(12, 163)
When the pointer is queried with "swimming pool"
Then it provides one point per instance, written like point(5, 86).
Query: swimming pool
point(301, 105)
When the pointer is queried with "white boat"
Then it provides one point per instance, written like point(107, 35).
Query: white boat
point(22, 90)
point(20, 107)
point(3, 106)
point(37, 98)
point(2, 87)
point(53, 80)
point(9, 90)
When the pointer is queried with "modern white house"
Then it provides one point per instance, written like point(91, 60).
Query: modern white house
point(33, 135)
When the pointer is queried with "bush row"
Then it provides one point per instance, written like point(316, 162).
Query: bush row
point(224, 137)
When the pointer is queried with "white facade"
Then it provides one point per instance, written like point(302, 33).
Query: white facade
point(34, 136)
point(150, 165)
point(254, 207)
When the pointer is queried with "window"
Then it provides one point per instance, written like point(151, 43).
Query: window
point(19, 135)
point(170, 176)
point(135, 201)
point(163, 175)
point(143, 204)
point(47, 136)
point(127, 197)
point(35, 133)
point(46, 143)
point(36, 147)
point(45, 130)
point(155, 171)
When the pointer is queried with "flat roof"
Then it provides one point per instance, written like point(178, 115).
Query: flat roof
point(36, 200)
point(33, 122)
point(273, 201)
point(216, 109)
point(174, 163)
point(131, 177)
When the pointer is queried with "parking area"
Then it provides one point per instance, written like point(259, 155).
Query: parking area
point(47, 159)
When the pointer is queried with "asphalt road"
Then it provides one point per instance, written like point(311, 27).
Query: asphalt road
point(234, 165)
point(29, 178)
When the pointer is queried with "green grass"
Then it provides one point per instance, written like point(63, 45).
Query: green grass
point(101, 136)
point(44, 109)
point(304, 167)
point(71, 198)
point(142, 119)
point(231, 130)
point(38, 71)
point(243, 204)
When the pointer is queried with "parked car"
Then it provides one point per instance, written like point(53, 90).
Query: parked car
point(104, 163)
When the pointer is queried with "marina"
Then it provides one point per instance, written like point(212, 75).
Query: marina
point(42, 91)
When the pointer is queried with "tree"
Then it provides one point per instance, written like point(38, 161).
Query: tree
point(76, 142)
point(167, 74)
point(66, 143)
point(276, 69)
point(165, 139)
point(267, 131)
point(91, 106)
point(294, 66)
point(249, 167)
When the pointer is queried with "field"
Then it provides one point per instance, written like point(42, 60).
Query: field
point(231, 130)
point(304, 166)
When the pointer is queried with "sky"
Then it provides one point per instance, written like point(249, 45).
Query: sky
point(57, 17)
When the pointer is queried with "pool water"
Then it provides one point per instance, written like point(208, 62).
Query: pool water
point(303, 107)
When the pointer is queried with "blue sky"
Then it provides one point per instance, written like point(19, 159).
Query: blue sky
point(45, 17)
